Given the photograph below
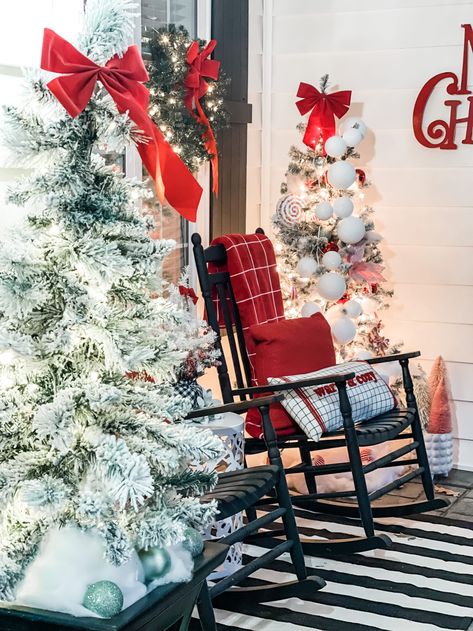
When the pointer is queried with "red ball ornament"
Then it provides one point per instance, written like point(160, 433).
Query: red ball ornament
point(331, 247)
point(360, 176)
point(310, 184)
point(344, 298)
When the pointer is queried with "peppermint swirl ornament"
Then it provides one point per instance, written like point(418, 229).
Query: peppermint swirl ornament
point(290, 209)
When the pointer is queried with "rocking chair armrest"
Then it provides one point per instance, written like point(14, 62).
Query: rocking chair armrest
point(238, 408)
point(302, 383)
point(393, 358)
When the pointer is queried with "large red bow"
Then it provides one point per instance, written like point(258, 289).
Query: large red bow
point(323, 108)
point(201, 66)
point(122, 77)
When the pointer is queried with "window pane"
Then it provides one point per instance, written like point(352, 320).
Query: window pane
point(169, 224)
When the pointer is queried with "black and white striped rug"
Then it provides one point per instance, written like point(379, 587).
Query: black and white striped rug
point(424, 582)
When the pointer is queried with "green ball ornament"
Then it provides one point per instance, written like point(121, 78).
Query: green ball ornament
point(103, 598)
point(156, 562)
point(194, 542)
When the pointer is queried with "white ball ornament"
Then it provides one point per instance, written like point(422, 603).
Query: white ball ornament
point(343, 330)
point(351, 230)
point(353, 137)
point(373, 237)
point(331, 260)
point(333, 313)
point(306, 266)
point(323, 211)
point(369, 306)
point(363, 355)
point(309, 309)
point(335, 146)
point(331, 286)
point(343, 207)
point(352, 308)
point(356, 123)
point(341, 174)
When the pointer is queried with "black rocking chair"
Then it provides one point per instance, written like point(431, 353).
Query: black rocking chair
point(243, 490)
point(399, 424)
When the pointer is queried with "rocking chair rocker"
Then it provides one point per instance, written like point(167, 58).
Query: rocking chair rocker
point(398, 424)
point(241, 490)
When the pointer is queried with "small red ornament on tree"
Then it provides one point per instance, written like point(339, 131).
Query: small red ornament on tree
point(360, 176)
point(331, 247)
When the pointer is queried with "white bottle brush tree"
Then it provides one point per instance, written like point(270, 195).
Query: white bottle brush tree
point(82, 443)
point(328, 250)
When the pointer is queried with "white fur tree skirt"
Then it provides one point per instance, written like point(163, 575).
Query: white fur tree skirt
point(69, 560)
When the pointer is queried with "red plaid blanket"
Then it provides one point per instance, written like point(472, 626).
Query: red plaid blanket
point(251, 264)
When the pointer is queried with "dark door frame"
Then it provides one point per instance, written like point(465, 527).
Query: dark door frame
point(230, 29)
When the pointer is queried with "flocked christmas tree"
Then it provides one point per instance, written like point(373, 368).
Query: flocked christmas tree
point(81, 307)
point(328, 249)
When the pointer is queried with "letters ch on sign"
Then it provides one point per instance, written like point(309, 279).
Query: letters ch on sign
point(440, 134)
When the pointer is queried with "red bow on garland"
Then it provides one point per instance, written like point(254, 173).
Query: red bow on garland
point(323, 108)
point(201, 66)
point(122, 77)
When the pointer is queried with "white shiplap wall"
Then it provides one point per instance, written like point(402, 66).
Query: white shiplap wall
point(384, 51)
point(21, 34)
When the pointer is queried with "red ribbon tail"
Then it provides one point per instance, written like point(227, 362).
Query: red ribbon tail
point(182, 190)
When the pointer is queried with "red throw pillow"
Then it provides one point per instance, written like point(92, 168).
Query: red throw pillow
point(288, 347)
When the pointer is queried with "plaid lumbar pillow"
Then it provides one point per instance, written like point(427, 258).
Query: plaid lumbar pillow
point(316, 409)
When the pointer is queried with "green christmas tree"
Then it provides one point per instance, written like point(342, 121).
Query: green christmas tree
point(166, 52)
point(81, 442)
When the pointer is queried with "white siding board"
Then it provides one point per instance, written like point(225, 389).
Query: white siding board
point(317, 7)
point(384, 51)
point(395, 29)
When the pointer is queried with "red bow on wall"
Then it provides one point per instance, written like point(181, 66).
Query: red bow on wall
point(201, 66)
point(122, 77)
point(323, 108)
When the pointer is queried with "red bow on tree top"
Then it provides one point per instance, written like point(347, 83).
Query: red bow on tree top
point(323, 108)
point(122, 77)
point(201, 66)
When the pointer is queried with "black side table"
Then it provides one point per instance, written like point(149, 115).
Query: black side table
point(167, 608)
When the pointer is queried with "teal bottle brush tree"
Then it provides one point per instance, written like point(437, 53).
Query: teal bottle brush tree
point(95, 466)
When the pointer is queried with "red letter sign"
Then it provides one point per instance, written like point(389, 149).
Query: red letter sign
point(440, 133)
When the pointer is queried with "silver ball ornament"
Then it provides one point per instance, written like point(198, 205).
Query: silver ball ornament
point(309, 309)
point(343, 207)
point(156, 562)
point(335, 146)
point(351, 230)
point(193, 541)
point(323, 211)
point(104, 598)
point(331, 260)
point(331, 286)
point(341, 174)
